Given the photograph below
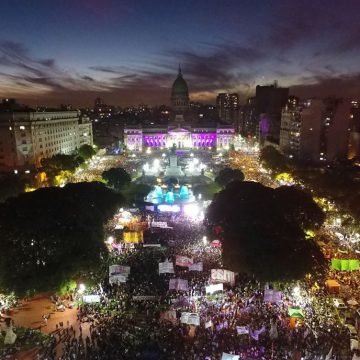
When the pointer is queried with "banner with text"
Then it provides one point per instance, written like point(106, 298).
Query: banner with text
point(183, 261)
point(166, 267)
point(223, 276)
point(190, 318)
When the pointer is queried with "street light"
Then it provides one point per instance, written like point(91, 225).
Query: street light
point(82, 288)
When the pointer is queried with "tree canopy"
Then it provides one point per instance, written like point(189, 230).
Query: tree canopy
point(86, 151)
point(274, 160)
point(60, 162)
point(116, 177)
point(227, 175)
point(51, 235)
point(264, 233)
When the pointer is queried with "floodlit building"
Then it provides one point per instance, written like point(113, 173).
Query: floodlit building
point(181, 131)
point(316, 131)
point(26, 137)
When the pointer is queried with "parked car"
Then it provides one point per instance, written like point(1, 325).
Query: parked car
point(339, 303)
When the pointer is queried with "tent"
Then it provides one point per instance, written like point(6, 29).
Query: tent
point(296, 313)
point(296, 317)
point(332, 286)
point(345, 265)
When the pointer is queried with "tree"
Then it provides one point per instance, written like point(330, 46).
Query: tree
point(116, 178)
point(49, 236)
point(60, 162)
point(11, 185)
point(299, 206)
point(259, 237)
point(86, 151)
point(136, 192)
point(273, 159)
point(227, 175)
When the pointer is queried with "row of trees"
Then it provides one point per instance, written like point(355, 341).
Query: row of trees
point(53, 234)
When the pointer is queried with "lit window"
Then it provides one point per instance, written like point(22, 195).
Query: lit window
point(22, 127)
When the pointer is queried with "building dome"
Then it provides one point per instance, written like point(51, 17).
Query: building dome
point(179, 86)
point(180, 94)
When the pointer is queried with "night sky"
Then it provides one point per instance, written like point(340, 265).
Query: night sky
point(127, 52)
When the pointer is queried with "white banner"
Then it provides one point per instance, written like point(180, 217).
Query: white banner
point(196, 266)
point(241, 330)
point(183, 261)
point(152, 245)
point(226, 356)
point(166, 267)
point(190, 318)
point(178, 284)
point(119, 269)
point(212, 288)
point(145, 297)
point(222, 275)
point(90, 299)
point(117, 279)
point(159, 224)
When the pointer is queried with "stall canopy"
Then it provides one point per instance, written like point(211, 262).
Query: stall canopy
point(332, 285)
point(345, 265)
point(296, 313)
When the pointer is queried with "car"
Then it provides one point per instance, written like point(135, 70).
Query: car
point(352, 330)
point(339, 303)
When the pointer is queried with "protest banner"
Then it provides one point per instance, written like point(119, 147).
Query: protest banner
point(119, 269)
point(178, 284)
point(91, 299)
point(242, 330)
point(145, 297)
point(133, 237)
point(183, 261)
point(190, 318)
point(196, 266)
point(223, 276)
point(226, 356)
point(214, 287)
point(272, 296)
point(117, 279)
point(166, 267)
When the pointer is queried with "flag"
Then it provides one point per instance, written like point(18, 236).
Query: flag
point(255, 333)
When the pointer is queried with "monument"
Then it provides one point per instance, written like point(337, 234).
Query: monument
point(173, 169)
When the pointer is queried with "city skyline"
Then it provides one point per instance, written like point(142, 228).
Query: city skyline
point(128, 53)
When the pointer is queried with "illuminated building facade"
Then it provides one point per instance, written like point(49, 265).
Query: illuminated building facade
point(316, 131)
point(26, 137)
point(184, 134)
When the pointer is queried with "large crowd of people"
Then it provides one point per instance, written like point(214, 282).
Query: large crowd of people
point(130, 320)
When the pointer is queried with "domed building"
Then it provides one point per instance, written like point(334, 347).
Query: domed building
point(180, 94)
point(181, 132)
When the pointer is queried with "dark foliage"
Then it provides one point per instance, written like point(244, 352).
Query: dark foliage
point(227, 175)
point(274, 160)
point(50, 235)
point(116, 178)
point(263, 232)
